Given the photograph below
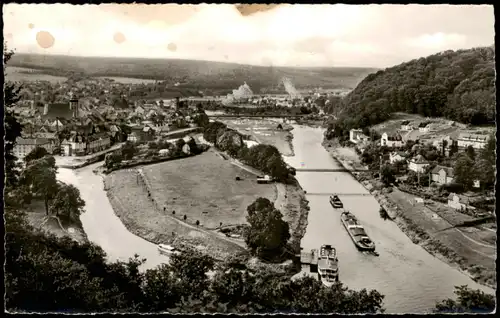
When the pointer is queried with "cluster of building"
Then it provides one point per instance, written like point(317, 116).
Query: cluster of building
point(72, 128)
point(439, 174)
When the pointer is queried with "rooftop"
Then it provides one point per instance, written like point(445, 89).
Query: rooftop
point(449, 171)
point(32, 141)
point(473, 137)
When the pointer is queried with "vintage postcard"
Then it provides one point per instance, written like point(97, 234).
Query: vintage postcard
point(249, 158)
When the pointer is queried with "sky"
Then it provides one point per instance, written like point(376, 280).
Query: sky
point(287, 35)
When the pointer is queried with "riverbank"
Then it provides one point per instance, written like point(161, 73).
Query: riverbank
point(409, 219)
point(35, 215)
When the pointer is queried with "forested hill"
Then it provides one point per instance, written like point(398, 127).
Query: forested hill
point(459, 85)
point(195, 74)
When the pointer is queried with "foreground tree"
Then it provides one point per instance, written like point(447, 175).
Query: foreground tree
point(387, 174)
point(485, 173)
point(471, 152)
point(213, 130)
point(12, 126)
point(39, 177)
point(464, 171)
point(129, 150)
point(489, 151)
point(36, 153)
point(67, 204)
point(191, 268)
point(112, 159)
point(468, 301)
point(267, 233)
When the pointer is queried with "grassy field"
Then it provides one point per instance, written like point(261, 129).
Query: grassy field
point(204, 188)
point(129, 80)
point(264, 132)
point(138, 212)
point(474, 245)
point(20, 74)
point(197, 74)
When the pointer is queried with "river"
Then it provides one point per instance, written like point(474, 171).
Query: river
point(101, 224)
point(411, 279)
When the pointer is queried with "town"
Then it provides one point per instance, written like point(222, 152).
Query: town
point(92, 115)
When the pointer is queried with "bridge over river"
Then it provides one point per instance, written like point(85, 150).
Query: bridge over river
point(254, 116)
point(334, 170)
point(339, 194)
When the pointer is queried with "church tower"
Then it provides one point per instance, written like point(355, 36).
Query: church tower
point(74, 107)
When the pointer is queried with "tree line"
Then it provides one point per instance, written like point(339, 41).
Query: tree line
point(459, 85)
point(262, 157)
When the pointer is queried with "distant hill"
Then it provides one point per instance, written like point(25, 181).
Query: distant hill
point(201, 75)
point(459, 85)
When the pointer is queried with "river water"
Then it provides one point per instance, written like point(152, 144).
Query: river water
point(101, 224)
point(411, 279)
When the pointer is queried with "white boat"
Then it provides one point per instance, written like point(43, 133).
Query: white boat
point(328, 269)
point(167, 249)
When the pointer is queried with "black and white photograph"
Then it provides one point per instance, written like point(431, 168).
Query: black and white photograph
point(249, 158)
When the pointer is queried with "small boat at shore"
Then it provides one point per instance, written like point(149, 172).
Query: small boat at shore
point(335, 202)
point(168, 249)
point(357, 232)
point(328, 269)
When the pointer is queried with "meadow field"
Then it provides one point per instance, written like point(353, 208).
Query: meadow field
point(205, 188)
point(129, 80)
point(22, 74)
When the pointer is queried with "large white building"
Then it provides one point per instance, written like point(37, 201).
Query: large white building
point(25, 145)
point(477, 141)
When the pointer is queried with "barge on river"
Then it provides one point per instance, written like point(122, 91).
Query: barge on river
point(357, 232)
point(335, 202)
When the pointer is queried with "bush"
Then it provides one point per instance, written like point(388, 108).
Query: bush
point(268, 233)
point(452, 187)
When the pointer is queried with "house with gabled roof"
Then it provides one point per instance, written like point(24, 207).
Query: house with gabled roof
point(418, 164)
point(356, 136)
point(391, 140)
point(25, 145)
point(424, 127)
point(75, 145)
point(442, 174)
point(141, 133)
point(396, 156)
point(406, 126)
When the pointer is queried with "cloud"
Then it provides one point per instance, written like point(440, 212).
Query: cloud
point(305, 35)
point(437, 40)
